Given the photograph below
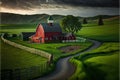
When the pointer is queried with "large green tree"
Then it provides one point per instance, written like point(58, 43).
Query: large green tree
point(70, 24)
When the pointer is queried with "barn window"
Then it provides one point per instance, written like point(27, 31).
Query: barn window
point(46, 38)
point(50, 38)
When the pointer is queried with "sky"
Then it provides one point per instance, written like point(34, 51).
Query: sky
point(63, 7)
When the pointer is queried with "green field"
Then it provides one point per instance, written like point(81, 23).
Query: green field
point(16, 59)
point(99, 64)
point(103, 62)
point(53, 48)
point(13, 58)
point(107, 32)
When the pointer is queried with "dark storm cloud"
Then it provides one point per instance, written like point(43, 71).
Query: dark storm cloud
point(101, 3)
point(22, 4)
point(27, 4)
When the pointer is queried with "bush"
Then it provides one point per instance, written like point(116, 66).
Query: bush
point(100, 21)
point(14, 35)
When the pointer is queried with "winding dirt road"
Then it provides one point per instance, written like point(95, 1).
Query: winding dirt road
point(64, 69)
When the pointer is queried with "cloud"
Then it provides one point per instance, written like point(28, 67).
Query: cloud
point(28, 4)
point(101, 3)
point(19, 4)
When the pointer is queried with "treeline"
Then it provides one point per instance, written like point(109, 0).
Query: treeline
point(9, 18)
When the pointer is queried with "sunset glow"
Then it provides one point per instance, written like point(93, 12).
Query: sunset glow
point(78, 11)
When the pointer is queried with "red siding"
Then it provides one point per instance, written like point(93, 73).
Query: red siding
point(39, 35)
point(42, 37)
point(49, 35)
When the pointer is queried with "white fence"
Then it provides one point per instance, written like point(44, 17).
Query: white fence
point(79, 39)
point(31, 50)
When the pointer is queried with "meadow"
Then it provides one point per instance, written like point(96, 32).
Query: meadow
point(53, 48)
point(99, 64)
point(107, 32)
point(103, 62)
point(12, 58)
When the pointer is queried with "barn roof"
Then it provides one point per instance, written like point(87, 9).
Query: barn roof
point(54, 28)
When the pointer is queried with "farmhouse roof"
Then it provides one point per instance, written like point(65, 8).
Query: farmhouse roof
point(54, 28)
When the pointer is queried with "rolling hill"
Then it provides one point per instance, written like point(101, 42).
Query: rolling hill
point(10, 18)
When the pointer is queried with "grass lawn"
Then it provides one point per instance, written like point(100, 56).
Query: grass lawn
point(103, 62)
point(53, 48)
point(12, 58)
point(107, 32)
point(99, 64)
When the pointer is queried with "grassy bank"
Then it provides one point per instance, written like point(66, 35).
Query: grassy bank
point(99, 64)
point(27, 63)
point(53, 48)
point(12, 58)
point(107, 32)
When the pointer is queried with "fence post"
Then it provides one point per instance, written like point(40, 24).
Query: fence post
point(50, 60)
point(17, 74)
point(6, 75)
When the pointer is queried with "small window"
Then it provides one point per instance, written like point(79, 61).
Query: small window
point(46, 38)
point(50, 38)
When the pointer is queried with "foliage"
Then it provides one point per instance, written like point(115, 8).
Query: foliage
point(12, 58)
point(71, 24)
point(85, 21)
point(107, 32)
point(100, 21)
point(98, 65)
point(54, 49)
point(79, 73)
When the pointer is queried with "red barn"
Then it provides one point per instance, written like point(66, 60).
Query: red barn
point(50, 32)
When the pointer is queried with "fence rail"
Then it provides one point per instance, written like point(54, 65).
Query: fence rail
point(31, 50)
point(24, 73)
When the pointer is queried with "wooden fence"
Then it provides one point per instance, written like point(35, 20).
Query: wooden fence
point(24, 73)
point(31, 50)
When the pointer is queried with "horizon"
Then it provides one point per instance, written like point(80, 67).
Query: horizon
point(26, 7)
point(80, 11)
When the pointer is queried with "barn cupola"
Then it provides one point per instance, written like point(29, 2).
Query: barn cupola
point(50, 21)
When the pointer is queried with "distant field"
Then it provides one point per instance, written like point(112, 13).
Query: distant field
point(12, 58)
point(107, 32)
point(99, 64)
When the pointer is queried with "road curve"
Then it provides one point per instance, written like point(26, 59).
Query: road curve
point(64, 69)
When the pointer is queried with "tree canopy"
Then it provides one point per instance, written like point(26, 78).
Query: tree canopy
point(70, 24)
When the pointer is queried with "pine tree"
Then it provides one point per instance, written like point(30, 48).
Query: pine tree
point(100, 21)
point(85, 21)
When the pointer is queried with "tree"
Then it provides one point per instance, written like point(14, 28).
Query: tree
point(70, 24)
point(100, 21)
point(85, 21)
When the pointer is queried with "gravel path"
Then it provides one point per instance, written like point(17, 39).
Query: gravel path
point(64, 69)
